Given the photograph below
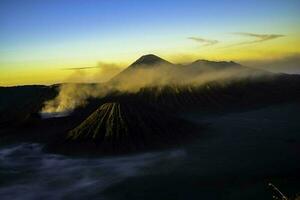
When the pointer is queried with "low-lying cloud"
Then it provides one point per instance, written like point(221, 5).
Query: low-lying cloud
point(287, 64)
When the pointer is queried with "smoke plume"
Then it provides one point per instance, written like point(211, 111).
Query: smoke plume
point(133, 79)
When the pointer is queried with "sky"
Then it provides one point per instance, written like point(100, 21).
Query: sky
point(39, 40)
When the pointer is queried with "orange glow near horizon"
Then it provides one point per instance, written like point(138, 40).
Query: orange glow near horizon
point(84, 37)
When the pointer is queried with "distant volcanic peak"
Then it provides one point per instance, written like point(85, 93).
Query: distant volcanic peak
point(146, 62)
point(150, 59)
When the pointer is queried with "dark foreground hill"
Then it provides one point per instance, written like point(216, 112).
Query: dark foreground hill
point(124, 127)
point(20, 102)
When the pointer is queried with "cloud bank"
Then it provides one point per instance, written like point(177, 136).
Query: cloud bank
point(288, 64)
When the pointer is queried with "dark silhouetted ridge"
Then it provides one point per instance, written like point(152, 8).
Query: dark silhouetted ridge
point(216, 65)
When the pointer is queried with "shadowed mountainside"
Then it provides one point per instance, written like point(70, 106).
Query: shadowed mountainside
point(20, 102)
point(125, 127)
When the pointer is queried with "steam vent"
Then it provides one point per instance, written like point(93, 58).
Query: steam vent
point(126, 127)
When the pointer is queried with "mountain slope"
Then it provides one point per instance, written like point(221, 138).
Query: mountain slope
point(152, 65)
point(126, 127)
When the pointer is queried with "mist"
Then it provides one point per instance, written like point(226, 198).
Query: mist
point(288, 64)
point(71, 96)
point(133, 79)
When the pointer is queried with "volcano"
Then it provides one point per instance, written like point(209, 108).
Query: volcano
point(117, 127)
point(150, 64)
point(150, 60)
point(153, 70)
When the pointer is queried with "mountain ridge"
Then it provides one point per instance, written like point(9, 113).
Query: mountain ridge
point(155, 70)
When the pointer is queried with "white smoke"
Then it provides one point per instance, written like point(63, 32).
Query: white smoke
point(72, 96)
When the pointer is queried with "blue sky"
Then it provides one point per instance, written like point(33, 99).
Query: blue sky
point(41, 31)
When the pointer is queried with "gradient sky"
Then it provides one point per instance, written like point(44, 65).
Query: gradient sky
point(39, 38)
